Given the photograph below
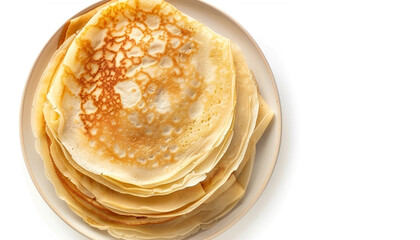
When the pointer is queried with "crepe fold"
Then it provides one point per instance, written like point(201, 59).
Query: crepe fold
point(147, 120)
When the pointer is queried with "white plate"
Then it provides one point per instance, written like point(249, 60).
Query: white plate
point(267, 148)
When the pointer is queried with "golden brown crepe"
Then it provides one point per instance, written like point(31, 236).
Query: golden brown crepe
point(147, 120)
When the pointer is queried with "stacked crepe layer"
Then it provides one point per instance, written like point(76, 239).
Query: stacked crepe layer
point(147, 120)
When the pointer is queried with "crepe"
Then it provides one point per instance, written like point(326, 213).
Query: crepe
point(143, 102)
point(147, 120)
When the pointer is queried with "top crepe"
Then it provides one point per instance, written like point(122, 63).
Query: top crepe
point(144, 94)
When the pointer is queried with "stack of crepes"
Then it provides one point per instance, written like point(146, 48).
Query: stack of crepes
point(147, 120)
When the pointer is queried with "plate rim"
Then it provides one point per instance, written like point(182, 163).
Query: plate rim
point(277, 119)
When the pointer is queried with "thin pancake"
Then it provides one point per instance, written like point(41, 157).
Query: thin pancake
point(113, 146)
point(110, 83)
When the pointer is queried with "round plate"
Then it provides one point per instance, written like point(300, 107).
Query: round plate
point(267, 148)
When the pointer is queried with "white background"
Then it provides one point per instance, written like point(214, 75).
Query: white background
point(348, 74)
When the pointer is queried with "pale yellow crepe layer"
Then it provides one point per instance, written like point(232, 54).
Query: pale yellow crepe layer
point(119, 106)
point(190, 180)
point(124, 226)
